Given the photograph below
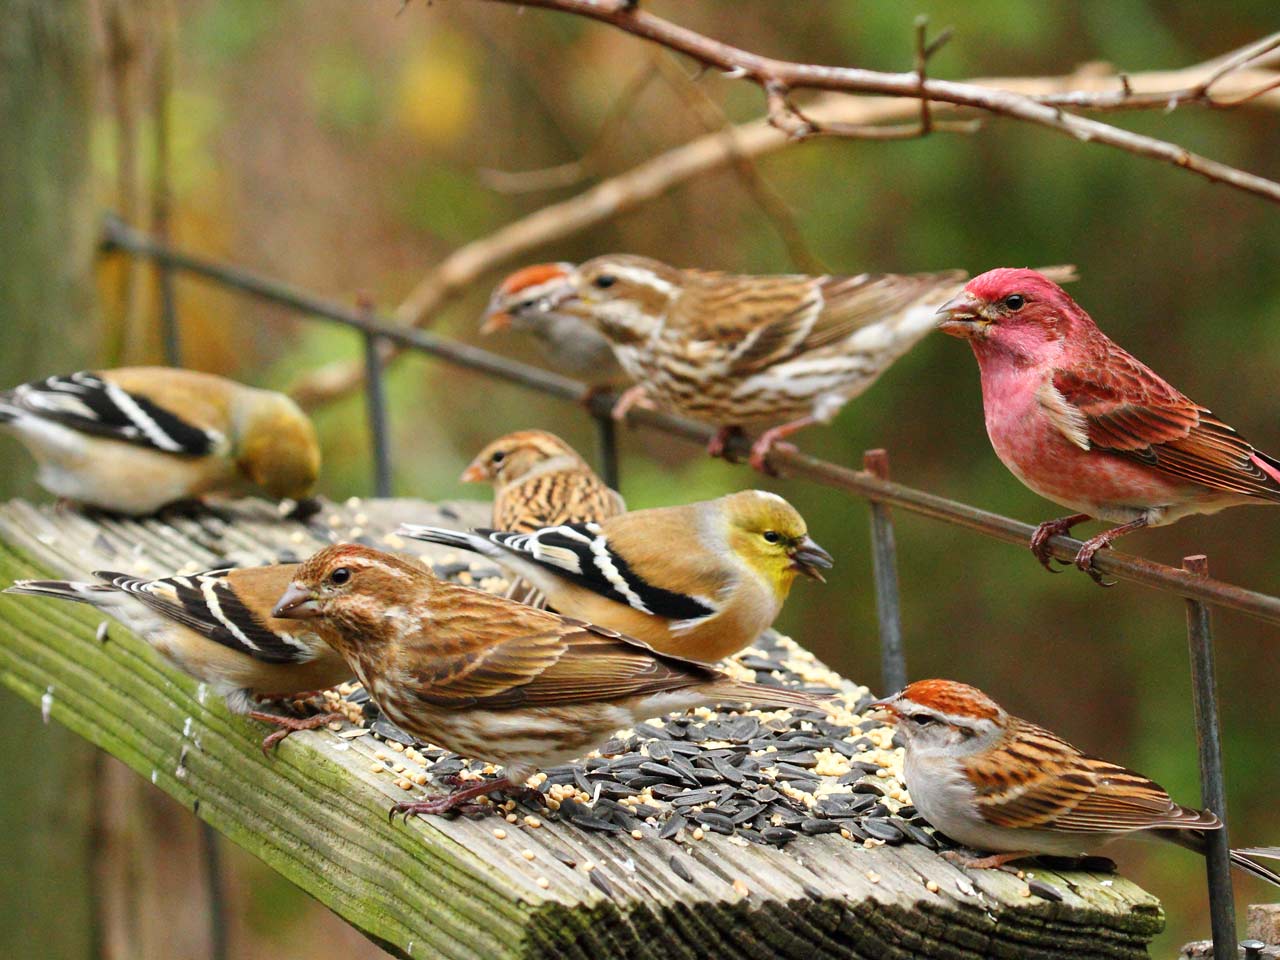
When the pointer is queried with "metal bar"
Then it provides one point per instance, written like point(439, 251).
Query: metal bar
point(884, 556)
point(607, 447)
point(375, 392)
point(216, 902)
point(1213, 788)
point(1119, 565)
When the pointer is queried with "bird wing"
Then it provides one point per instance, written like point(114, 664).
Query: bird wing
point(489, 659)
point(223, 606)
point(96, 405)
point(772, 319)
point(1123, 407)
point(1036, 780)
point(582, 554)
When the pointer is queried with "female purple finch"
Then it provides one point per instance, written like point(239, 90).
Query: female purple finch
point(1086, 425)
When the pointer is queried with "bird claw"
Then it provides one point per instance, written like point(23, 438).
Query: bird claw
point(718, 445)
point(635, 396)
point(1046, 531)
point(769, 441)
point(287, 726)
point(1084, 561)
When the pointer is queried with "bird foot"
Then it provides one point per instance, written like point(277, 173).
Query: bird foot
point(1084, 559)
point(718, 445)
point(460, 799)
point(1047, 531)
point(769, 441)
point(991, 862)
point(288, 725)
point(631, 397)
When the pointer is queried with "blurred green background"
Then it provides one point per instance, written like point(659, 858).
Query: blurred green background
point(348, 147)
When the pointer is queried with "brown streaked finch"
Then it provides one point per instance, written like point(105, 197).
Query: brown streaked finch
point(1085, 424)
point(489, 678)
point(136, 439)
point(217, 627)
point(540, 481)
point(997, 783)
point(702, 580)
point(783, 351)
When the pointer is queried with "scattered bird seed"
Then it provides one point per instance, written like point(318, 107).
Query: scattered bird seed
point(1045, 891)
point(601, 883)
point(680, 870)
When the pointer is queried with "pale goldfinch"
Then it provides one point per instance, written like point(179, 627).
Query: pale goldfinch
point(701, 581)
point(217, 627)
point(540, 481)
point(489, 678)
point(135, 439)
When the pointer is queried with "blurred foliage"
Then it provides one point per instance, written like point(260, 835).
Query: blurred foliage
point(340, 146)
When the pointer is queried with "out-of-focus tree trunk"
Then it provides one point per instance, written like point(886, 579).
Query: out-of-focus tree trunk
point(46, 256)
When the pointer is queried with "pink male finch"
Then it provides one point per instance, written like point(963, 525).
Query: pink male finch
point(1086, 425)
point(734, 350)
point(998, 783)
point(490, 678)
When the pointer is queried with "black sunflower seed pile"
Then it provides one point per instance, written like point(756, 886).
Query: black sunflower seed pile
point(765, 776)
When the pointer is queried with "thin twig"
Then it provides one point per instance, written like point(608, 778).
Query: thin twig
point(778, 77)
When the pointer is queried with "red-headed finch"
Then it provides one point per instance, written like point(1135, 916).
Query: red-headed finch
point(136, 439)
point(525, 302)
point(997, 783)
point(702, 580)
point(217, 627)
point(540, 481)
point(1086, 425)
point(489, 678)
point(783, 351)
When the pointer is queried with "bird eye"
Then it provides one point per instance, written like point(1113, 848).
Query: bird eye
point(340, 576)
point(526, 304)
point(499, 456)
point(605, 281)
point(923, 720)
point(771, 536)
point(1015, 301)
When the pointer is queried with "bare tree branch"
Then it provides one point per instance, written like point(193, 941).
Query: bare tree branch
point(776, 77)
point(1092, 87)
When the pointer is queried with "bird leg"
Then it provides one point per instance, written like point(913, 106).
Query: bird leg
point(438, 805)
point(719, 443)
point(288, 725)
point(1084, 559)
point(770, 438)
point(635, 396)
point(1049, 529)
point(991, 862)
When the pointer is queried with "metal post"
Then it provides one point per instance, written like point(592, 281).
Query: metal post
point(884, 554)
point(376, 408)
point(216, 904)
point(1213, 790)
point(607, 447)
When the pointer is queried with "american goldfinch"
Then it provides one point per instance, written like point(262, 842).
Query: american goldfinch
point(997, 783)
point(217, 627)
point(135, 439)
point(572, 345)
point(540, 481)
point(701, 581)
point(489, 678)
point(1087, 425)
point(781, 350)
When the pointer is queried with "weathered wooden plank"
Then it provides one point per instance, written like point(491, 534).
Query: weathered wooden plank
point(455, 888)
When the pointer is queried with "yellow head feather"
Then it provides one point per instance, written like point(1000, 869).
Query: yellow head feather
point(770, 536)
point(276, 444)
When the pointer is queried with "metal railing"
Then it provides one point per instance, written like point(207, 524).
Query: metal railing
point(872, 484)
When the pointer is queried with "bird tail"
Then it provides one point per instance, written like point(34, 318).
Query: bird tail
point(450, 538)
point(1061, 273)
point(7, 413)
point(61, 589)
point(758, 695)
point(1243, 858)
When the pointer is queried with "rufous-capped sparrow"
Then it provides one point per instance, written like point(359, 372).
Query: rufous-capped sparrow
point(489, 678)
point(217, 627)
point(702, 580)
point(997, 783)
point(737, 350)
point(1085, 424)
point(136, 439)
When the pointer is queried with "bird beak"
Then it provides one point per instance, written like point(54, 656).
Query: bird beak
point(475, 473)
point(884, 709)
point(296, 603)
point(495, 322)
point(961, 316)
point(808, 557)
